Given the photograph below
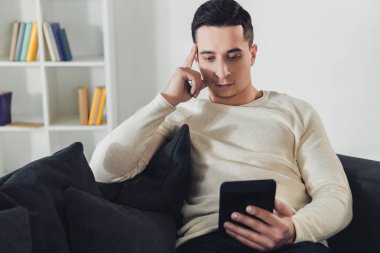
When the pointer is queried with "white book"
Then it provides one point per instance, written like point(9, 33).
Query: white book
point(53, 42)
point(48, 41)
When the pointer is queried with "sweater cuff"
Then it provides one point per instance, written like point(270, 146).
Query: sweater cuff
point(300, 235)
point(162, 101)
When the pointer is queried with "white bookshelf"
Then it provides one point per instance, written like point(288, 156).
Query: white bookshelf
point(46, 91)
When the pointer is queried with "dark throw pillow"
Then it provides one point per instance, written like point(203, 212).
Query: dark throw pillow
point(163, 184)
point(14, 233)
point(14, 227)
point(39, 187)
point(97, 225)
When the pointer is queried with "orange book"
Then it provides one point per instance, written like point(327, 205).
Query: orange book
point(83, 105)
point(94, 106)
point(33, 44)
point(101, 107)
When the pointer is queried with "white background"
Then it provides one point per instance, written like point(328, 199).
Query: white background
point(324, 52)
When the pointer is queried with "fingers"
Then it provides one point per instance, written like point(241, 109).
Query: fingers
point(282, 209)
point(262, 214)
point(193, 78)
point(245, 241)
point(191, 56)
point(248, 237)
point(251, 222)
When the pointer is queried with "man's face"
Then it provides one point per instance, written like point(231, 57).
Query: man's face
point(225, 59)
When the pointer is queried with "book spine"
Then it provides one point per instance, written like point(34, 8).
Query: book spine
point(83, 105)
point(55, 27)
point(33, 44)
point(94, 106)
point(48, 41)
point(101, 107)
point(65, 45)
point(25, 43)
point(20, 39)
point(12, 53)
point(53, 42)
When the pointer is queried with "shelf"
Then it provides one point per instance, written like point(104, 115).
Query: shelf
point(78, 62)
point(46, 92)
point(71, 123)
point(19, 120)
point(24, 118)
point(84, 61)
point(5, 63)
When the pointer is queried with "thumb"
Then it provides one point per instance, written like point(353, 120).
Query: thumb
point(282, 209)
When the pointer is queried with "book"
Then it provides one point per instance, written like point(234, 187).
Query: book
point(62, 36)
point(5, 108)
point(55, 28)
point(53, 42)
point(20, 39)
point(94, 106)
point(12, 53)
point(33, 44)
point(25, 42)
point(48, 40)
point(83, 105)
point(101, 107)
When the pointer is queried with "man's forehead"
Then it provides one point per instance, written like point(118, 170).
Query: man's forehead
point(213, 39)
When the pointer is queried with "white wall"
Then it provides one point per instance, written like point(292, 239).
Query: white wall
point(325, 52)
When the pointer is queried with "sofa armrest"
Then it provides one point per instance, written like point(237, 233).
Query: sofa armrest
point(363, 233)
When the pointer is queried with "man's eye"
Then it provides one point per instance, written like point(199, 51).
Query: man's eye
point(234, 57)
point(209, 58)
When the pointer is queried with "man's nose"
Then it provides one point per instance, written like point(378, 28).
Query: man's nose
point(222, 71)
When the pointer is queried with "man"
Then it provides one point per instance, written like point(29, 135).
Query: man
point(239, 133)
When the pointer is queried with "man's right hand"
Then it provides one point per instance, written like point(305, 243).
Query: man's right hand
point(179, 88)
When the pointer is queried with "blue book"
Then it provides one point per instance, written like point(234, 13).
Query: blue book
point(65, 45)
point(5, 108)
point(25, 42)
point(20, 39)
point(55, 28)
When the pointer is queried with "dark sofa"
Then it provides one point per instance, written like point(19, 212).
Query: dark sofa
point(363, 233)
point(55, 205)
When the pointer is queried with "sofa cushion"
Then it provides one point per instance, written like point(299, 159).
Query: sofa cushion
point(362, 234)
point(163, 184)
point(15, 234)
point(39, 187)
point(97, 225)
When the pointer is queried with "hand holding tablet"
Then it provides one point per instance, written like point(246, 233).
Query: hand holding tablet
point(235, 196)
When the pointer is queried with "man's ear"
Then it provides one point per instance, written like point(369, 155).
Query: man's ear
point(253, 52)
point(196, 58)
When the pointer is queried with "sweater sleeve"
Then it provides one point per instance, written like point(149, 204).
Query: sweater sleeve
point(125, 151)
point(330, 209)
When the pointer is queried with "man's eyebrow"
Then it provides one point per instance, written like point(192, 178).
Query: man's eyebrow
point(233, 50)
point(236, 49)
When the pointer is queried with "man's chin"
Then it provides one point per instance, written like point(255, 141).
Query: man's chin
point(217, 96)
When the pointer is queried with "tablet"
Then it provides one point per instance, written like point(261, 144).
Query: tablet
point(235, 196)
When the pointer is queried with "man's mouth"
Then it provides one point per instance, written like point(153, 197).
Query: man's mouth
point(224, 85)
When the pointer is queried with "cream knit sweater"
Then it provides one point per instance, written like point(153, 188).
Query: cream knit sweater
point(276, 136)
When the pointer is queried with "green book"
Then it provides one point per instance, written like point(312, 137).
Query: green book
point(25, 43)
point(20, 39)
